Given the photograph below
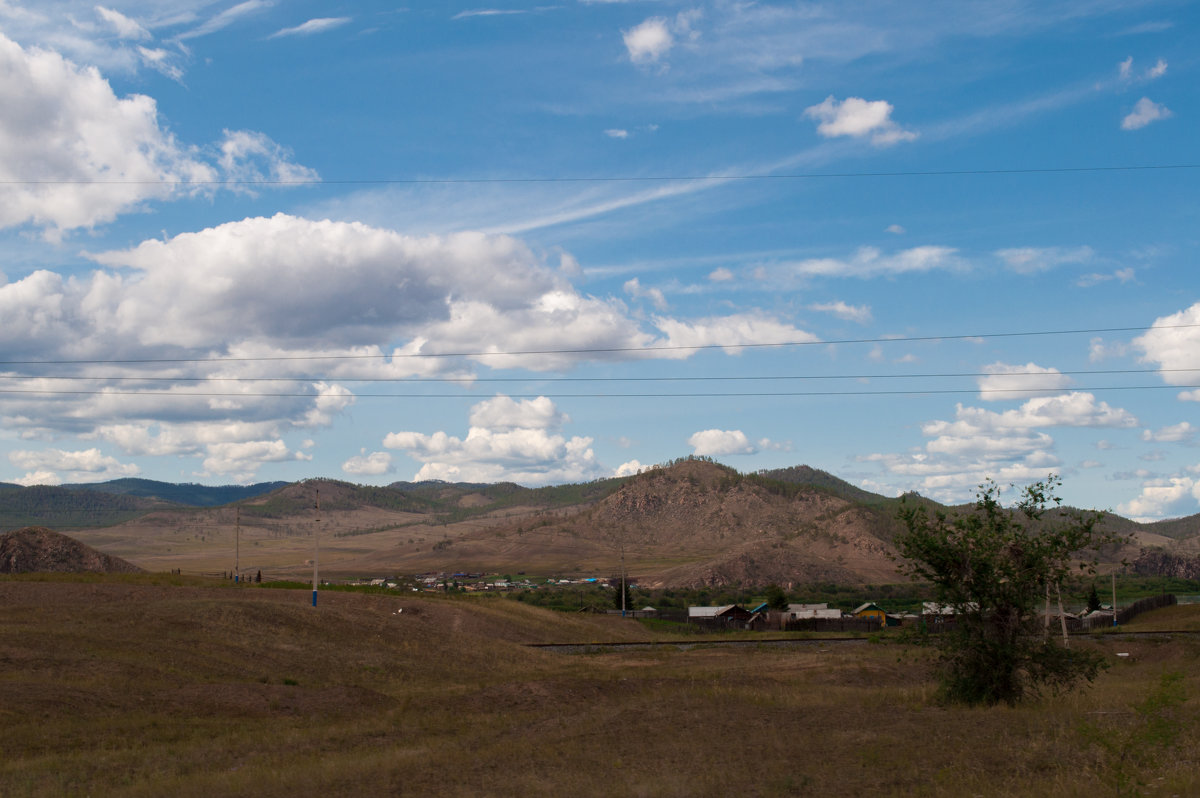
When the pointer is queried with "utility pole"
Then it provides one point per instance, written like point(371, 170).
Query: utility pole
point(622, 574)
point(1062, 617)
point(1046, 617)
point(237, 547)
point(1114, 588)
point(316, 545)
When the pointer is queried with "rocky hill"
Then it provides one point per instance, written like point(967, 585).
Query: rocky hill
point(38, 550)
point(695, 523)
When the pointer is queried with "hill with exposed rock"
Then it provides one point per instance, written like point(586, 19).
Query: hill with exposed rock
point(40, 550)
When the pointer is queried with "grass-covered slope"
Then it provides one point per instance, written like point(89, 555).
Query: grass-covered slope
point(127, 688)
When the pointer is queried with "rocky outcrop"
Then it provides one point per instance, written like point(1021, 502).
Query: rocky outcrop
point(36, 549)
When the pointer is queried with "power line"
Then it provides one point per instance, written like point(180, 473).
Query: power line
point(615, 178)
point(704, 378)
point(721, 394)
point(598, 350)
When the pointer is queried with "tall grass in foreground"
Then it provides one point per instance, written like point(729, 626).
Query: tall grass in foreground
point(140, 690)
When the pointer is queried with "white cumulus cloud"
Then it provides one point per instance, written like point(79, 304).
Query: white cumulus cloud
point(48, 466)
point(629, 469)
point(1173, 343)
point(73, 128)
point(1143, 113)
point(858, 118)
point(526, 446)
point(649, 41)
point(373, 464)
point(717, 442)
point(1163, 498)
point(1006, 381)
point(241, 460)
point(1182, 432)
point(1010, 446)
point(78, 156)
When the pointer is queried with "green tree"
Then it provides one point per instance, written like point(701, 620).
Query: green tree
point(623, 585)
point(1093, 600)
point(993, 565)
point(776, 598)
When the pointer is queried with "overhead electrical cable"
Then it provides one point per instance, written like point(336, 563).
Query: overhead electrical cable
point(599, 350)
point(697, 395)
point(705, 378)
point(610, 178)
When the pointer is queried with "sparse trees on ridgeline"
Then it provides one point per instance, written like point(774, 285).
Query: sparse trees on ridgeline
point(993, 565)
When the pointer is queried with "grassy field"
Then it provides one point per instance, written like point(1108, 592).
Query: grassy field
point(151, 686)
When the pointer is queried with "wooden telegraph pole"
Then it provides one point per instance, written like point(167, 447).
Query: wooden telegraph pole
point(316, 546)
point(622, 574)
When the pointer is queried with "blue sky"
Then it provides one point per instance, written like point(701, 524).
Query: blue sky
point(916, 245)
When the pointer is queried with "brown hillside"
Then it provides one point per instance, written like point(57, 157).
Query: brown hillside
point(36, 549)
point(700, 524)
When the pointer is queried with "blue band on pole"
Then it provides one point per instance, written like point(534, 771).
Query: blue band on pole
point(314, 598)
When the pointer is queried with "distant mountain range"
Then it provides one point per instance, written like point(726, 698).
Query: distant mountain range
point(689, 523)
point(112, 502)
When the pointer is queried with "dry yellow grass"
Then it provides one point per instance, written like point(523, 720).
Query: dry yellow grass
point(123, 687)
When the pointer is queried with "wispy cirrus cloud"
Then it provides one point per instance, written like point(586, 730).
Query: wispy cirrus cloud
point(1029, 260)
point(312, 27)
point(124, 26)
point(226, 18)
point(489, 12)
point(860, 314)
point(869, 262)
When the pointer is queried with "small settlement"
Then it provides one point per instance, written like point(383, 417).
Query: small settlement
point(797, 617)
point(867, 617)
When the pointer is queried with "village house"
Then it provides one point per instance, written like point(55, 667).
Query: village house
point(798, 612)
point(729, 616)
point(870, 611)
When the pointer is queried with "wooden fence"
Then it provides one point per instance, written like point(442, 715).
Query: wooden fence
point(936, 624)
point(1124, 614)
point(832, 625)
